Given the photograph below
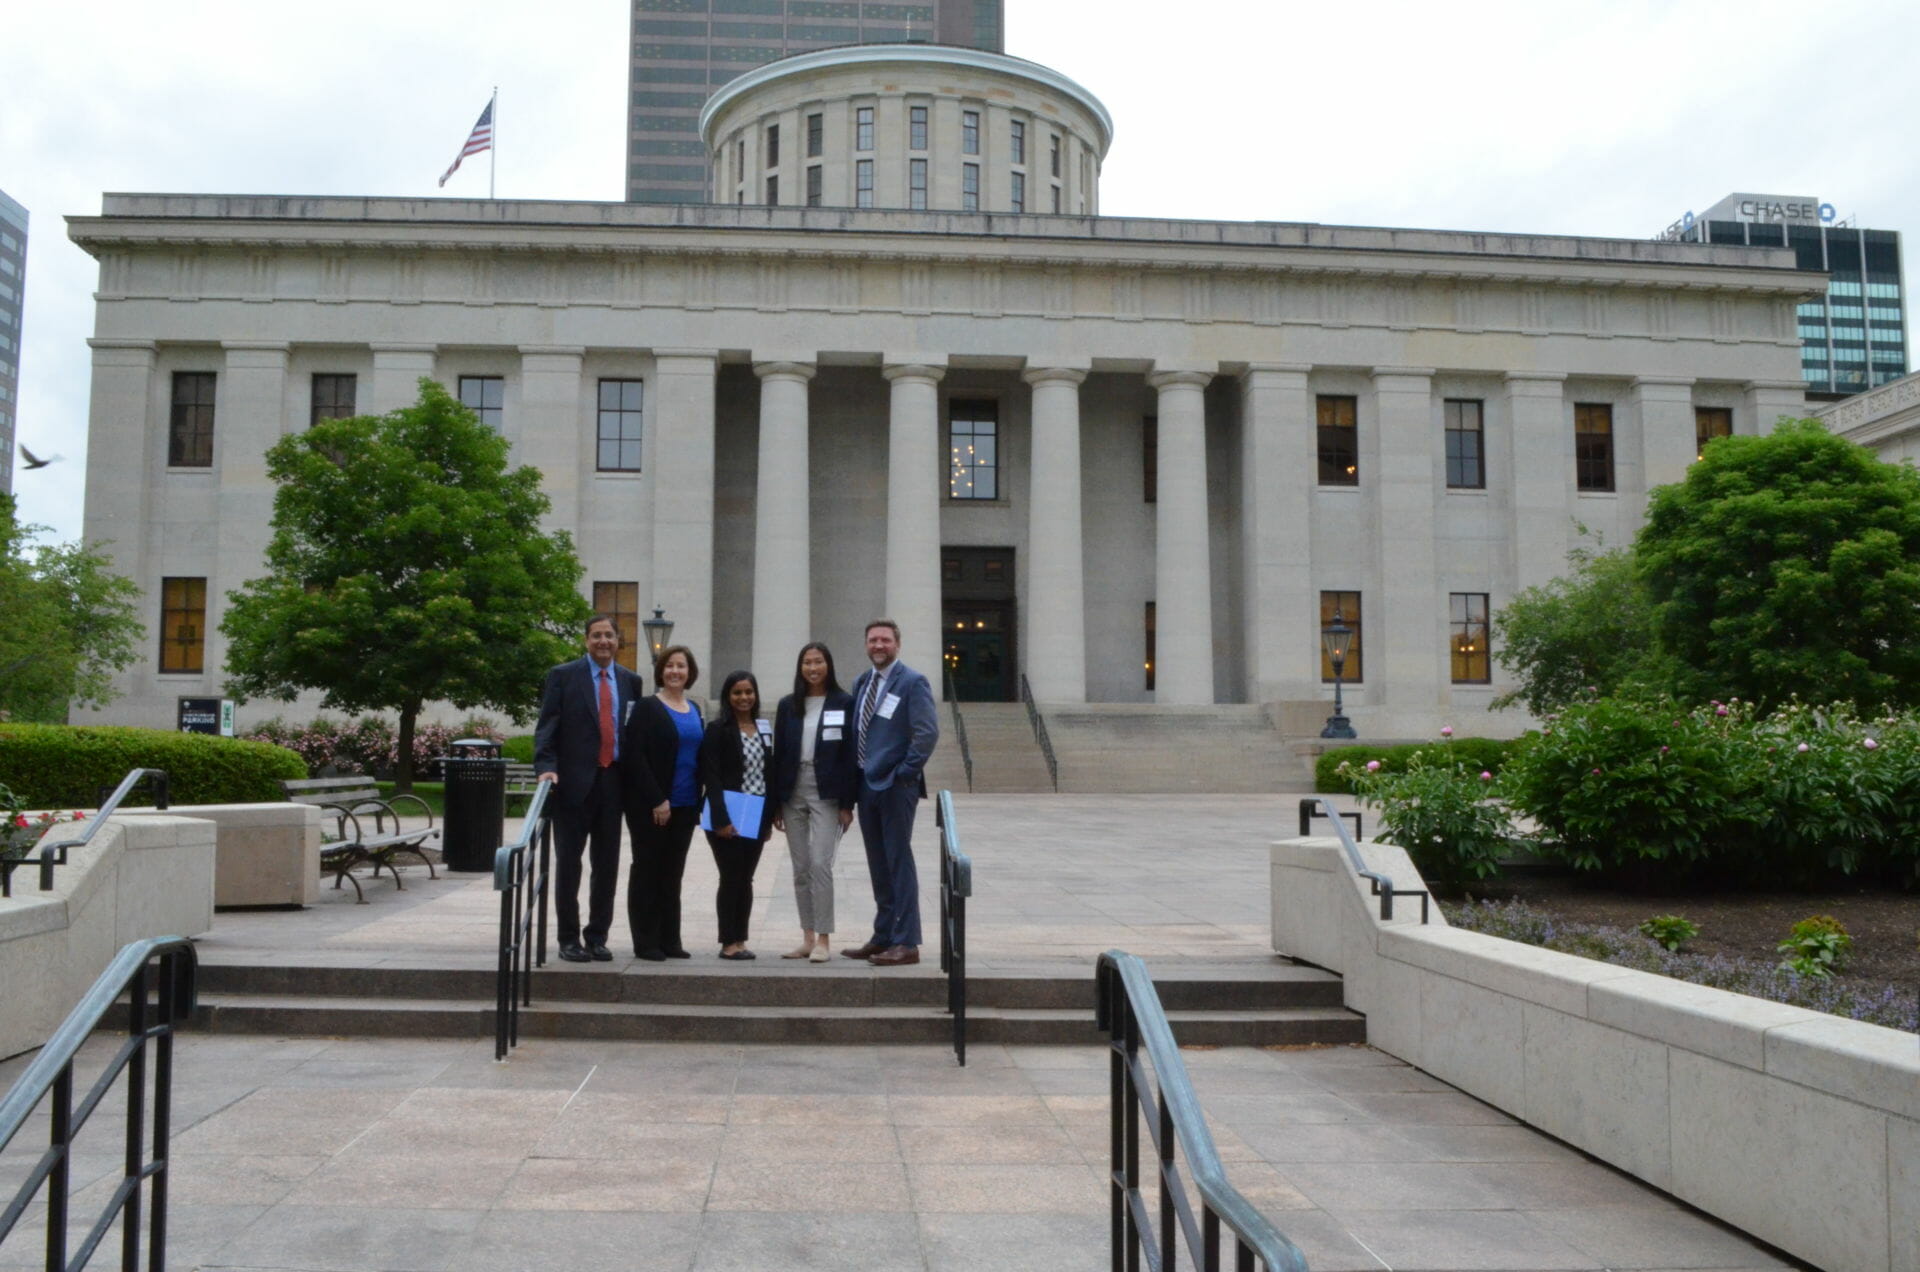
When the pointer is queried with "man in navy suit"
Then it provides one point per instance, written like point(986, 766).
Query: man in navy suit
point(896, 726)
point(576, 745)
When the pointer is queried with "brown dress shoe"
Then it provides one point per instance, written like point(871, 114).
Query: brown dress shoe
point(864, 951)
point(898, 956)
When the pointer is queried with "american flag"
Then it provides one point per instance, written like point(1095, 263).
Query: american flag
point(481, 138)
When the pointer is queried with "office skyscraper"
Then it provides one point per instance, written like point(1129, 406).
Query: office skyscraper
point(1856, 337)
point(13, 279)
point(684, 49)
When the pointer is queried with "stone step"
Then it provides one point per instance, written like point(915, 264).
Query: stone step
point(310, 1015)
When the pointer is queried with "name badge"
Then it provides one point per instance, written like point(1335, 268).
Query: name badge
point(626, 712)
point(888, 705)
point(829, 735)
point(833, 717)
point(766, 730)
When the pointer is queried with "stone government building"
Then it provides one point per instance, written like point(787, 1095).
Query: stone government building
point(1137, 460)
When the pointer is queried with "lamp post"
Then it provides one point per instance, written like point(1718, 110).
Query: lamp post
point(1336, 638)
point(659, 630)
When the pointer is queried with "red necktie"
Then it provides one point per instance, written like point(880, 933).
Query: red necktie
point(606, 717)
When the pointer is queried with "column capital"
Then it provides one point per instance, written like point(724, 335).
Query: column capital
point(913, 371)
point(785, 370)
point(557, 351)
point(1536, 383)
point(428, 349)
point(1054, 375)
point(123, 353)
point(1406, 373)
point(1169, 379)
point(256, 354)
point(1775, 386)
point(1664, 387)
point(690, 359)
point(1278, 368)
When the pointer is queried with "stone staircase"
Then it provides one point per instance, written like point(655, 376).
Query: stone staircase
point(1006, 759)
point(845, 1003)
point(1123, 748)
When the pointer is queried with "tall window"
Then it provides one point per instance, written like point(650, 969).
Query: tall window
point(740, 161)
point(863, 128)
point(973, 470)
point(1053, 155)
point(332, 398)
point(773, 192)
point(1347, 606)
point(485, 396)
point(1466, 445)
point(969, 187)
point(618, 445)
point(1056, 200)
point(1151, 624)
point(813, 185)
point(863, 183)
point(1018, 200)
point(1592, 446)
point(969, 132)
point(1150, 458)
point(1467, 641)
point(916, 128)
point(183, 625)
point(190, 428)
point(916, 183)
point(816, 135)
point(621, 603)
point(773, 145)
point(1339, 436)
point(1710, 422)
point(1017, 140)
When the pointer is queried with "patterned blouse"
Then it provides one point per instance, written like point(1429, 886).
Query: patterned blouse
point(753, 754)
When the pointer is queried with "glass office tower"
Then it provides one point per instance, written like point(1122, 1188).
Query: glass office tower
point(684, 49)
point(13, 281)
point(1854, 339)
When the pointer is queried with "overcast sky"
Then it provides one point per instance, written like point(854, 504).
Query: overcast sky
point(1609, 119)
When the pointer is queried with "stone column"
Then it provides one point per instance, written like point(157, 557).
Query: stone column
point(913, 511)
point(1767, 401)
point(1406, 661)
point(397, 369)
point(1540, 458)
point(782, 537)
point(1183, 581)
point(1668, 435)
point(682, 490)
point(250, 416)
point(1056, 570)
point(127, 437)
point(547, 429)
point(1277, 448)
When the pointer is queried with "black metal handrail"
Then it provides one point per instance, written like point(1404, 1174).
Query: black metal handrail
point(1039, 724)
point(1128, 1008)
point(956, 885)
point(959, 723)
point(520, 872)
point(132, 973)
point(1319, 806)
point(55, 854)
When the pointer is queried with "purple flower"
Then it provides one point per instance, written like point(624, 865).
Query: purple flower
point(1803, 748)
point(1485, 776)
point(1446, 730)
point(1719, 711)
point(1871, 745)
point(1373, 766)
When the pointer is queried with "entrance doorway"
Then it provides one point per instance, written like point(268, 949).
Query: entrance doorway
point(977, 623)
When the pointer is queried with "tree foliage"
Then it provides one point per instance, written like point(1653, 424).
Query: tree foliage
point(1788, 564)
point(68, 624)
point(1587, 632)
point(407, 565)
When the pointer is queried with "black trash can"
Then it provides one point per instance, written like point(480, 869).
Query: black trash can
point(476, 804)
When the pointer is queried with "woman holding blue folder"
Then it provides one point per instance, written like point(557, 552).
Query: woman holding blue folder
point(736, 767)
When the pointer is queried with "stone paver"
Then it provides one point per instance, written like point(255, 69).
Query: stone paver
point(426, 1154)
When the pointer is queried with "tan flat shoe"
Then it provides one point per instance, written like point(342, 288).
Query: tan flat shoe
point(799, 951)
point(820, 953)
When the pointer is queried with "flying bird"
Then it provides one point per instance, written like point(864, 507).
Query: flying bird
point(34, 461)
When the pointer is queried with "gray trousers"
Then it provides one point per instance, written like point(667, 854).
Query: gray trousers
point(813, 835)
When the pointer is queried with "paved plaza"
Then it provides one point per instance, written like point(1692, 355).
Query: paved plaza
point(324, 1153)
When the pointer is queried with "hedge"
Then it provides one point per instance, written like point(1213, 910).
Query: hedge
point(518, 749)
point(58, 766)
point(1479, 753)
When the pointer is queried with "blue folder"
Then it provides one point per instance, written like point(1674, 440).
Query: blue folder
point(746, 812)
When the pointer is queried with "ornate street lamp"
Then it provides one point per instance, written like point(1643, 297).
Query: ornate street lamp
point(659, 630)
point(1336, 638)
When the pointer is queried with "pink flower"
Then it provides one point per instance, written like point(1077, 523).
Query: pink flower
point(78, 815)
point(1485, 776)
point(1871, 745)
point(1373, 766)
point(20, 820)
point(1803, 748)
point(1596, 772)
point(1664, 750)
point(1446, 730)
point(1719, 711)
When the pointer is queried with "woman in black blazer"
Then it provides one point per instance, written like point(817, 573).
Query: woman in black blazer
point(813, 789)
point(736, 756)
point(659, 762)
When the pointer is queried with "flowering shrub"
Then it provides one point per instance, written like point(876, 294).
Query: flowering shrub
point(368, 745)
point(1442, 808)
point(1878, 1004)
point(1817, 946)
point(19, 832)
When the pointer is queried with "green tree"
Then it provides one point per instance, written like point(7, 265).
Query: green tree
point(1788, 564)
point(407, 565)
point(67, 624)
point(1588, 631)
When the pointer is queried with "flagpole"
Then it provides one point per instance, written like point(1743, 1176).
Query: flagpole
point(493, 151)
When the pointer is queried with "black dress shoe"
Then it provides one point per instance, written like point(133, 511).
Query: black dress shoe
point(739, 956)
point(678, 953)
point(863, 951)
point(650, 956)
point(574, 952)
point(600, 953)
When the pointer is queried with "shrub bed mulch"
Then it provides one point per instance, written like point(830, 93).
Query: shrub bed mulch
point(1740, 928)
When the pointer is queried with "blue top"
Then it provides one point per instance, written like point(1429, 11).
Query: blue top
point(686, 784)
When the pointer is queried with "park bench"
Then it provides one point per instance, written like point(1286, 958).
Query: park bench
point(521, 781)
point(351, 804)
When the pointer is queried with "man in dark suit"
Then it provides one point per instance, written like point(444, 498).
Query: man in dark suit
point(896, 726)
point(576, 745)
